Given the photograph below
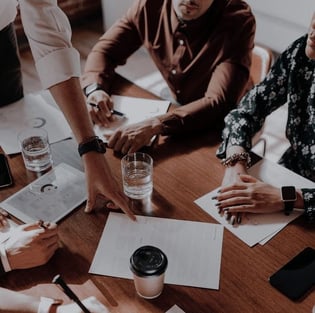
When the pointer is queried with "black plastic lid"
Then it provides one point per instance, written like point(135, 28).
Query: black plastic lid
point(148, 261)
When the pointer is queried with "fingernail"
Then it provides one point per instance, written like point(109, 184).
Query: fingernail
point(219, 210)
point(214, 198)
point(239, 218)
point(217, 204)
point(227, 215)
point(226, 209)
point(232, 220)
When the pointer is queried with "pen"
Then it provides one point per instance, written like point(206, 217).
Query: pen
point(112, 111)
point(59, 281)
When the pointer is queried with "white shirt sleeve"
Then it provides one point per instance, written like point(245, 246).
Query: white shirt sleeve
point(49, 34)
point(4, 258)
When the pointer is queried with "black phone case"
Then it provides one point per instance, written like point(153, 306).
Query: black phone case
point(296, 277)
point(5, 173)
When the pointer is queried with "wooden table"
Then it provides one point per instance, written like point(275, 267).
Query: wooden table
point(185, 168)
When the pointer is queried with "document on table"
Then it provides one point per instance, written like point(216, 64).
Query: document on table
point(259, 228)
point(50, 197)
point(31, 111)
point(175, 309)
point(193, 249)
point(135, 110)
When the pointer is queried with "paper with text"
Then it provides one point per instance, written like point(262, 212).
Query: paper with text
point(193, 249)
point(259, 228)
point(31, 111)
point(134, 109)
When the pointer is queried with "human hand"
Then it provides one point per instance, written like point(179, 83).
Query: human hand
point(3, 218)
point(91, 303)
point(31, 245)
point(102, 184)
point(101, 112)
point(249, 195)
point(129, 139)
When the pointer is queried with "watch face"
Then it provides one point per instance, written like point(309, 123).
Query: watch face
point(288, 193)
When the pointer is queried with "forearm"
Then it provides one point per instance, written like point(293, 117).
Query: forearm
point(70, 99)
point(12, 301)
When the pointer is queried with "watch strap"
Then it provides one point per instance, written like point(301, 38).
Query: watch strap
point(92, 144)
point(91, 88)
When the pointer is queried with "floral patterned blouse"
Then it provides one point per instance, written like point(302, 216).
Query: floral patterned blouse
point(291, 80)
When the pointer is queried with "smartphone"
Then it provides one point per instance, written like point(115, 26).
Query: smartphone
point(296, 277)
point(5, 173)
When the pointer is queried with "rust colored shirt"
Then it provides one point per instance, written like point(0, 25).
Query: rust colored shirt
point(205, 62)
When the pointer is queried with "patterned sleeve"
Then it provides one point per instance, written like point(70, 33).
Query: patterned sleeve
point(242, 123)
point(309, 204)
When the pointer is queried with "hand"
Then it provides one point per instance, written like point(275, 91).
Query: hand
point(101, 114)
point(129, 139)
point(31, 245)
point(101, 183)
point(91, 303)
point(249, 195)
point(3, 218)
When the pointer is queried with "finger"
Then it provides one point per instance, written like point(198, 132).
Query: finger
point(237, 186)
point(114, 139)
point(241, 208)
point(119, 143)
point(248, 178)
point(122, 203)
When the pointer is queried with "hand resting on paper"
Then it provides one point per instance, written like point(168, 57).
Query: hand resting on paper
point(131, 138)
point(31, 245)
point(251, 195)
point(91, 303)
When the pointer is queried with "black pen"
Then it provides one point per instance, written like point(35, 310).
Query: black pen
point(112, 111)
point(59, 281)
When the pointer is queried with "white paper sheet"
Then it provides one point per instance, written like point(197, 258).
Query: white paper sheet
point(50, 197)
point(175, 309)
point(31, 111)
point(135, 110)
point(193, 249)
point(259, 228)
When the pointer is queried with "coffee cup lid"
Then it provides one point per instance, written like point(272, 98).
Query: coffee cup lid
point(148, 261)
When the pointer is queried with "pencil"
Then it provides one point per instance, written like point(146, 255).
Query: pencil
point(112, 111)
point(65, 288)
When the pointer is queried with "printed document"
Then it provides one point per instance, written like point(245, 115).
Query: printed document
point(193, 249)
point(134, 109)
point(259, 228)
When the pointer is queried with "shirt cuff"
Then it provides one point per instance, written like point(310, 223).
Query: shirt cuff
point(46, 303)
point(58, 66)
point(4, 258)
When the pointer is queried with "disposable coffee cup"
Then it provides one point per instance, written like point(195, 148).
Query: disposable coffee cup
point(148, 265)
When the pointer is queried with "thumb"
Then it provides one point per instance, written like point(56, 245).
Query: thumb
point(90, 203)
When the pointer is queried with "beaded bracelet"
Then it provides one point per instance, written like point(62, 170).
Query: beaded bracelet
point(237, 157)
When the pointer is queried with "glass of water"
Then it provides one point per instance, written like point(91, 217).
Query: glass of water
point(137, 175)
point(35, 149)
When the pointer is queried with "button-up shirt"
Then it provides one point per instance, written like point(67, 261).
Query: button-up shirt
point(49, 34)
point(205, 62)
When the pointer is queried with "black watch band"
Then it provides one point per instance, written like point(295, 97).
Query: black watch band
point(288, 195)
point(91, 88)
point(92, 144)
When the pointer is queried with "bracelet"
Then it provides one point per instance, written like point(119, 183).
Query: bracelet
point(45, 304)
point(237, 157)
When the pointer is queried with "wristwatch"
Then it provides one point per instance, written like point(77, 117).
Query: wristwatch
point(91, 88)
point(92, 144)
point(288, 196)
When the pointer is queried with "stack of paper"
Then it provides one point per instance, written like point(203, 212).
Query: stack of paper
point(259, 228)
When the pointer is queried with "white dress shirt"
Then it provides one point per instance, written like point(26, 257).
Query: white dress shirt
point(48, 31)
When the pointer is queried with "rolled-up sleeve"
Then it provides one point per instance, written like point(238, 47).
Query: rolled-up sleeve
point(49, 34)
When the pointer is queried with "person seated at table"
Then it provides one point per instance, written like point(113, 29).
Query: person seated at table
point(202, 49)
point(48, 32)
point(290, 80)
point(27, 246)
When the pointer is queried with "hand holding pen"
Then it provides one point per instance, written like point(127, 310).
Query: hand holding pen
point(89, 305)
point(101, 108)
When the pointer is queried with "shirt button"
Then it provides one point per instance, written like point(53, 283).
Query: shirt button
point(181, 42)
point(173, 71)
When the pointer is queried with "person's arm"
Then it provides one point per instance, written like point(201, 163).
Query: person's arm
point(58, 64)
point(17, 302)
